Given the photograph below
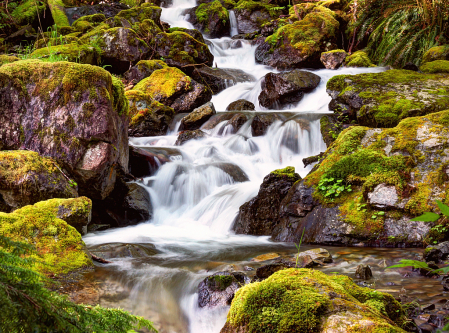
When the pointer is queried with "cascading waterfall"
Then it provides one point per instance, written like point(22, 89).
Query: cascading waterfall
point(197, 195)
point(233, 22)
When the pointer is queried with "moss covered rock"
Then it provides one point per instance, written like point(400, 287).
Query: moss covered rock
point(252, 15)
point(27, 12)
point(197, 117)
point(171, 87)
point(305, 300)
point(59, 246)
point(383, 99)
point(436, 53)
point(140, 13)
point(218, 79)
point(149, 117)
point(333, 59)
point(27, 178)
point(58, 13)
point(179, 49)
point(143, 69)
point(404, 166)
point(358, 59)
point(211, 18)
point(437, 66)
point(301, 43)
point(88, 22)
point(6, 59)
point(73, 52)
point(81, 120)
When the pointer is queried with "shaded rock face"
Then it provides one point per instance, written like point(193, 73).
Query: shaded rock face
point(86, 134)
point(330, 127)
point(143, 163)
point(210, 18)
point(333, 59)
point(219, 288)
point(237, 121)
point(189, 135)
point(437, 253)
point(218, 79)
point(339, 305)
point(241, 105)
point(122, 47)
point(250, 20)
point(286, 88)
point(261, 122)
point(197, 117)
point(384, 99)
point(107, 9)
point(266, 271)
point(137, 204)
point(363, 272)
point(123, 250)
point(260, 215)
point(234, 171)
point(27, 178)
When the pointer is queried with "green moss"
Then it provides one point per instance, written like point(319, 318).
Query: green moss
point(57, 11)
point(141, 13)
point(73, 52)
point(59, 246)
point(358, 59)
point(288, 172)
point(307, 34)
point(220, 282)
point(164, 83)
point(251, 6)
point(436, 53)
point(335, 51)
point(296, 300)
point(213, 10)
point(6, 59)
point(27, 12)
point(437, 66)
point(119, 99)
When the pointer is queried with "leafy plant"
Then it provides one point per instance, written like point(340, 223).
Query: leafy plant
point(400, 31)
point(432, 217)
point(377, 214)
point(26, 305)
point(331, 187)
point(298, 247)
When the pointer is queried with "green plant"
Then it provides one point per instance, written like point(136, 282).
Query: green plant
point(26, 305)
point(400, 31)
point(331, 187)
point(377, 214)
point(298, 247)
point(432, 217)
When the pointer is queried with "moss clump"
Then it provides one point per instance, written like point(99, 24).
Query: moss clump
point(27, 12)
point(59, 246)
point(358, 59)
point(308, 34)
point(287, 172)
point(252, 6)
point(141, 13)
point(88, 22)
point(220, 282)
point(437, 66)
point(436, 53)
point(6, 59)
point(73, 52)
point(164, 83)
point(299, 300)
point(57, 11)
point(208, 11)
point(142, 106)
point(119, 100)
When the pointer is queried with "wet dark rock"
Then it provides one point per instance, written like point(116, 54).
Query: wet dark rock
point(330, 128)
point(260, 215)
point(107, 9)
point(427, 272)
point(237, 121)
point(250, 18)
point(185, 136)
point(333, 59)
point(236, 173)
point(197, 117)
point(363, 272)
point(143, 163)
point(210, 18)
point(137, 204)
point(191, 32)
point(219, 288)
point(124, 250)
point(312, 159)
point(267, 270)
point(437, 253)
point(216, 119)
point(445, 283)
point(411, 67)
point(142, 70)
point(261, 122)
point(286, 88)
point(241, 105)
point(218, 79)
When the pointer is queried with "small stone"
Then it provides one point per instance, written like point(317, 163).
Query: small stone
point(197, 117)
point(333, 59)
point(265, 257)
point(428, 307)
point(363, 272)
point(383, 197)
point(241, 105)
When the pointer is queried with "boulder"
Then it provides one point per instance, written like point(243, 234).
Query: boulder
point(106, 9)
point(87, 23)
point(218, 79)
point(300, 44)
point(137, 14)
point(363, 272)
point(383, 99)
point(178, 49)
point(251, 15)
point(60, 248)
point(143, 163)
point(143, 69)
point(261, 122)
point(437, 66)
point(185, 136)
point(73, 52)
point(191, 32)
point(333, 59)
point(329, 304)
point(27, 178)
point(81, 121)
point(436, 253)
point(358, 59)
point(237, 121)
point(124, 250)
point(137, 204)
point(259, 216)
point(318, 256)
point(217, 119)
point(266, 271)
point(219, 288)
point(148, 116)
point(286, 88)
point(197, 117)
point(436, 53)
point(211, 18)
point(171, 87)
point(241, 105)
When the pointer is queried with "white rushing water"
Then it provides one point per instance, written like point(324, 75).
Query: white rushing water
point(197, 195)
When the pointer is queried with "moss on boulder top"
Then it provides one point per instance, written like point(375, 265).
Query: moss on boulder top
point(436, 53)
point(27, 12)
point(140, 13)
point(213, 19)
point(306, 300)
point(59, 246)
point(358, 59)
point(73, 52)
point(143, 69)
point(437, 66)
point(6, 59)
point(27, 178)
point(383, 99)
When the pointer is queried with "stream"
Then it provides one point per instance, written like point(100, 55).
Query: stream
point(195, 202)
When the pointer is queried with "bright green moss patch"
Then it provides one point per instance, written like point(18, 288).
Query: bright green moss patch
point(57, 11)
point(27, 11)
point(141, 13)
point(142, 105)
point(120, 102)
point(73, 52)
point(6, 59)
point(288, 171)
point(358, 59)
point(206, 11)
point(437, 66)
point(59, 246)
point(299, 300)
point(436, 53)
